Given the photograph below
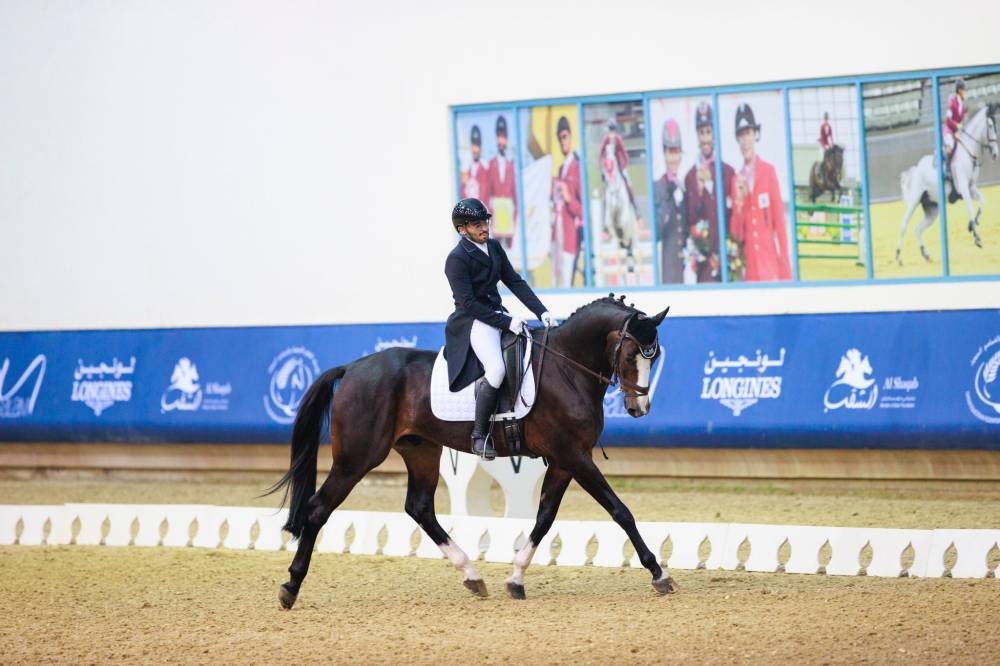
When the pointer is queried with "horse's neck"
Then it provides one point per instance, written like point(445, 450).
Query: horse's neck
point(976, 127)
point(583, 338)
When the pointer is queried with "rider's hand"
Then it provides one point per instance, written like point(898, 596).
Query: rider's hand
point(516, 325)
point(548, 319)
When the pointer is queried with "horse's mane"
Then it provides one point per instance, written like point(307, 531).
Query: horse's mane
point(641, 327)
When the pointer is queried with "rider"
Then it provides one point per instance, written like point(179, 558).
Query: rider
point(472, 334)
point(953, 123)
point(825, 136)
point(621, 155)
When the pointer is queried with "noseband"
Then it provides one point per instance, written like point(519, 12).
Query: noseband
point(629, 389)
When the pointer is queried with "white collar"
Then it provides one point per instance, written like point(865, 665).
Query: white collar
point(481, 246)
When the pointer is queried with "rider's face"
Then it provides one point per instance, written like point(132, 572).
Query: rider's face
point(747, 138)
point(476, 150)
point(673, 159)
point(477, 232)
point(501, 142)
point(564, 142)
point(705, 141)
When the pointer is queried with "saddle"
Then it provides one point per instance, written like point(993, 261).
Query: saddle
point(517, 392)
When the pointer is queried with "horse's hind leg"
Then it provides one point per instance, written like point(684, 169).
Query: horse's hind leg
point(590, 478)
point(553, 487)
point(905, 222)
point(422, 460)
point(929, 217)
point(341, 480)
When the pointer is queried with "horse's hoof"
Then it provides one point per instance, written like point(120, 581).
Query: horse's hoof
point(477, 587)
point(515, 591)
point(665, 585)
point(286, 597)
point(979, 243)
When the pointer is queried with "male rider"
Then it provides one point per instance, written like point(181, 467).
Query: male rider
point(472, 334)
point(701, 190)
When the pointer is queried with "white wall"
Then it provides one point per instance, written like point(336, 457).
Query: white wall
point(192, 163)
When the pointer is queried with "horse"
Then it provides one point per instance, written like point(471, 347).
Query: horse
point(619, 215)
point(826, 175)
point(980, 132)
point(382, 402)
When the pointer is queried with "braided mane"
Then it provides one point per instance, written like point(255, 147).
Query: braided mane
point(605, 300)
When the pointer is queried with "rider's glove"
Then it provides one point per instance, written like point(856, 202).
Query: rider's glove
point(548, 319)
point(516, 325)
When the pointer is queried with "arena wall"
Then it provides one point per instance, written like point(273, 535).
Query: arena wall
point(184, 164)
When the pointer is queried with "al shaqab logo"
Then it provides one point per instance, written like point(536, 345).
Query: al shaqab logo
point(984, 398)
point(854, 387)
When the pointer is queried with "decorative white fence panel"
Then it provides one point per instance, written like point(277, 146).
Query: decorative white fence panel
point(845, 551)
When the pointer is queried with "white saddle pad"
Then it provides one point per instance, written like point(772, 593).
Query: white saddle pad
point(461, 406)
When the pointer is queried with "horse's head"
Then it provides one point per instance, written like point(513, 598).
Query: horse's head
point(631, 352)
point(991, 128)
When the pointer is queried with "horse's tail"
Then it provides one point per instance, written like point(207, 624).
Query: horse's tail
point(301, 475)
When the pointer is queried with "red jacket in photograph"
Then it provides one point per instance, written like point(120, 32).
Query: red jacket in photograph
point(569, 214)
point(501, 182)
point(476, 183)
point(759, 222)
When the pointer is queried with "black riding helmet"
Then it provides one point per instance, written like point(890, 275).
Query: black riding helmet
point(469, 210)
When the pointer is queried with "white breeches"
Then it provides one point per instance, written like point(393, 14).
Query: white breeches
point(485, 342)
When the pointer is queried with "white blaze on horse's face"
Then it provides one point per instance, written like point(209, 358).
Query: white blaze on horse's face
point(642, 366)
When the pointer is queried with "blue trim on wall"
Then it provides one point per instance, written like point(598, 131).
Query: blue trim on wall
point(651, 183)
point(588, 278)
point(869, 266)
point(794, 240)
point(939, 153)
point(522, 227)
point(720, 192)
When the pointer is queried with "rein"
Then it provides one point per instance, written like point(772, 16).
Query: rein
point(631, 390)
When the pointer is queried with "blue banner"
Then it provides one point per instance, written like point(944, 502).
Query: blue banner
point(870, 380)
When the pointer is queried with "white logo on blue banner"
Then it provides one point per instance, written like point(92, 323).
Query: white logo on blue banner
point(854, 387)
point(184, 393)
point(292, 372)
point(984, 398)
point(738, 391)
point(614, 399)
point(14, 405)
point(102, 385)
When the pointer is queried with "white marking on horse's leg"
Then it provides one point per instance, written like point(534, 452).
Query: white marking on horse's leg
point(642, 365)
point(521, 562)
point(459, 560)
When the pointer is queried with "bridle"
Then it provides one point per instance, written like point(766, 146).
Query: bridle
point(991, 136)
point(629, 389)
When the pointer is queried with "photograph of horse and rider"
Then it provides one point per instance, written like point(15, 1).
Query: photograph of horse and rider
point(617, 176)
point(910, 157)
point(826, 166)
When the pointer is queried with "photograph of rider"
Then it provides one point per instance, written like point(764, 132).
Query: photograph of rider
point(553, 207)
point(615, 145)
point(671, 212)
point(699, 253)
point(472, 333)
point(700, 194)
point(759, 224)
point(487, 172)
point(903, 178)
point(830, 224)
point(502, 200)
point(970, 111)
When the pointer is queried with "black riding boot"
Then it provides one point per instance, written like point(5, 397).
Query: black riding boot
point(486, 402)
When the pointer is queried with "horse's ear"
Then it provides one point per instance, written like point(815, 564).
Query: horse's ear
point(658, 318)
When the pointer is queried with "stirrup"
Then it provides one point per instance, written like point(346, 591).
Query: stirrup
point(488, 452)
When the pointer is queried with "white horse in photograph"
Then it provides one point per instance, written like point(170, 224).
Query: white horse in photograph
point(619, 216)
point(979, 133)
point(920, 186)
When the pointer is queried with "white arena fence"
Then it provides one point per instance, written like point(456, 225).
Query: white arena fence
point(848, 551)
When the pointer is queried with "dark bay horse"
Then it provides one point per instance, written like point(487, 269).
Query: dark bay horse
point(382, 401)
point(826, 175)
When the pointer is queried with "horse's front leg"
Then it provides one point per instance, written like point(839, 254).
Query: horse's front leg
point(592, 480)
point(553, 488)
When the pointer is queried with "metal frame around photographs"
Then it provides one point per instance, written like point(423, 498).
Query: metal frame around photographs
point(939, 160)
point(714, 91)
